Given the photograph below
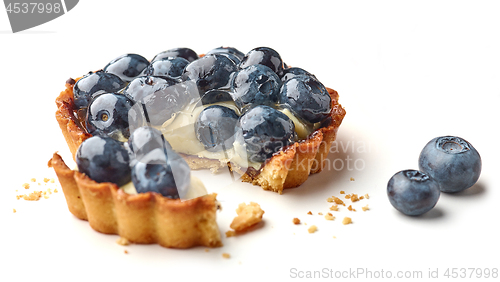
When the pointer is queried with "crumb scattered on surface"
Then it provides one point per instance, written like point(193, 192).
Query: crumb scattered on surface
point(348, 196)
point(365, 208)
point(334, 237)
point(230, 233)
point(33, 179)
point(309, 212)
point(296, 221)
point(335, 200)
point(334, 208)
point(248, 215)
point(33, 196)
point(352, 179)
point(52, 180)
point(320, 213)
point(367, 196)
point(354, 198)
point(14, 210)
point(26, 186)
point(125, 251)
point(342, 192)
point(46, 180)
point(226, 255)
point(55, 190)
point(312, 229)
point(346, 220)
point(351, 208)
point(123, 241)
point(329, 216)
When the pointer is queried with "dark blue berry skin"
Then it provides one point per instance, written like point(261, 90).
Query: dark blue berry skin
point(214, 128)
point(108, 115)
point(141, 87)
point(104, 159)
point(293, 72)
point(264, 130)
point(210, 72)
point(145, 139)
point(255, 85)
point(127, 66)
point(452, 161)
point(263, 56)
point(163, 172)
point(216, 95)
point(412, 192)
point(185, 53)
point(232, 53)
point(95, 83)
point(170, 67)
point(307, 98)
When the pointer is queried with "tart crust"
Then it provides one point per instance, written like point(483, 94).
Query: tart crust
point(144, 218)
point(288, 168)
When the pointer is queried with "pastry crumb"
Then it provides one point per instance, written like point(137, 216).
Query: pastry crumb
point(296, 221)
point(312, 229)
point(346, 220)
point(123, 241)
point(45, 179)
point(354, 198)
point(14, 210)
point(33, 179)
point(337, 201)
point(367, 196)
point(125, 251)
point(230, 233)
point(365, 208)
point(309, 212)
point(342, 192)
point(350, 208)
point(52, 180)
point(329, 216)
point(26, 186)
point(248, 215)
point(352, 179)
point(334, 237)
point(320, 213)
point(226, 255)
point(55, 190)
point(45, 196)
point(348, 196)
point(33, 196)
point(334, 208)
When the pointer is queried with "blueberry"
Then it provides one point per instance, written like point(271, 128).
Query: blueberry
point(127, 66)
point(232, 53)
point(163, 172)
point(210, 72)
point(412, 192)
point(171, 67)
point(141, 87)
point(452, 161)
point(108, 115)
point(95, 83)
point(104, 159)
point(214, 128)
point(264, 130)
point(263, 56)
point(255, 85)
point(293, 72)
point(145, 139)
point(185, 53)
point(215, 96)
point(306, 97)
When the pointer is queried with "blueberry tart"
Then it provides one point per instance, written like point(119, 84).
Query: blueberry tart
point(137, 127)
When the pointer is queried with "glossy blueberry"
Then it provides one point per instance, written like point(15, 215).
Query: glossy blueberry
point(108, 115)
point(215, 96)
point(293, 72)
point(263, 56)
point(185, 53)
point(95, 83)
point(214, 128)
point(145, 139)
point(210, 72)
point(127, 66)
point(255, 85)
point(163, 172)
point(104, 159)
point(452, 161)
point(232, 53)
point(171, 67)
point(306, 97)
point(263, 131)
point(412, 192)
point(141, 87)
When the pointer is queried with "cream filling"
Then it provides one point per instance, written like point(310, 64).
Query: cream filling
point(196, 189)
point(179, 131)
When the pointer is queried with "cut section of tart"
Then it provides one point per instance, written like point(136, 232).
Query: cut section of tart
point(270, 123)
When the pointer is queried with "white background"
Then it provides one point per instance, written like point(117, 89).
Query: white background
point(406, 72)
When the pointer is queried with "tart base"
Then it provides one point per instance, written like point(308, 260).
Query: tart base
point(144, 218)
